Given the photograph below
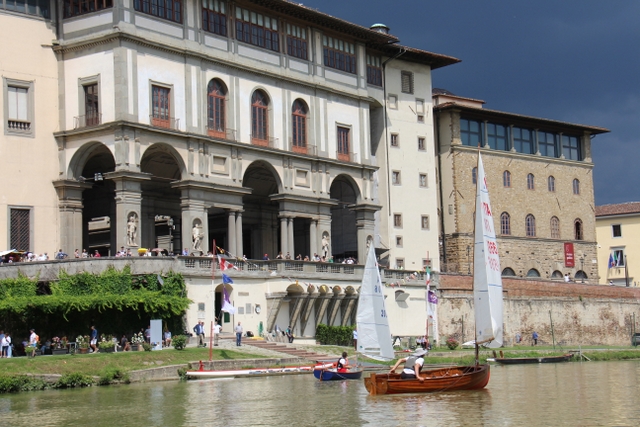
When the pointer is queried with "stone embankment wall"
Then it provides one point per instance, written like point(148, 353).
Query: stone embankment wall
point(582, 314)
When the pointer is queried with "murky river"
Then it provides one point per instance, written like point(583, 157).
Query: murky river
point(570, 394)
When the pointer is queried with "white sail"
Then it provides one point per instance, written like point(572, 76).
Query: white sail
point(487, 275)
point(374, 335)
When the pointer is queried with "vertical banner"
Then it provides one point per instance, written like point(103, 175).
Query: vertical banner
point(569, 258)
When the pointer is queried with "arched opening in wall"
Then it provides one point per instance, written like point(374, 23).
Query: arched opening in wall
point(533, 273)
point(260, 222)
point(222, 316)
point(160, 201)
point(508, 272)
point(99, 212)
point(581, 275)
point(291, 309)
point(557, 275)
point(344, 239)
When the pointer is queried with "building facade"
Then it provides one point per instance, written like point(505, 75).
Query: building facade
point(261, 125)
point(618, 233)
point(539, 175)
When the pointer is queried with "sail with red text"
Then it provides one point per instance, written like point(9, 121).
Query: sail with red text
point(487, 275)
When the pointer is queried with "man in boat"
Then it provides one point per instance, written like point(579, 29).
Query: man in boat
point(343, 363)
point(412, 365)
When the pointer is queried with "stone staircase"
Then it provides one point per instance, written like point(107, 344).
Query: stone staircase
point(290, 350)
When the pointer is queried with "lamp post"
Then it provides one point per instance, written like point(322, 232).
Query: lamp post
point(170, 225)
point(468, 260)
point(582, 267)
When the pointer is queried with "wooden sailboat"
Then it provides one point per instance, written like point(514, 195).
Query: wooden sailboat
point(487, 295)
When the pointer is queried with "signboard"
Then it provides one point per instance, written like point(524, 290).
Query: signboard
point(569, 258)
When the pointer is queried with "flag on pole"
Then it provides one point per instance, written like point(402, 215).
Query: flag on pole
point(432, 300)
point(225, 265)
point(226, 279)
point(612, 262)
point(226, 303)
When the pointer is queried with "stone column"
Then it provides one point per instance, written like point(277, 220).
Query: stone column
point(70, 210)
point(313, 237)
point(284, 232)
point(128, 207)
point(231, 233)
point(365, 223)
point(239, 248)
point(195, 220)
point(291, 247)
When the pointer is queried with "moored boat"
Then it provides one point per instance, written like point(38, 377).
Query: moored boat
point(524, 360)
point(332, 374)
point(256, 372)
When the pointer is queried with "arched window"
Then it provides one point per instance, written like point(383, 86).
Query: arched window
point(474, 175)
point(505, 224)
point(299, 131)
point(508, 272)
point(557, 275)
point(576, 186)
point(551, 181)
point(216, 96)
point(577, 225)
point(533, 273)
point(581, 275)
point(506, 179)
point(555, 227)
point(530, 225)
point(259, 118)
point(530, 182)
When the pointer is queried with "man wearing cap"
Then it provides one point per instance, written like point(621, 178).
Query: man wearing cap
point(412, 365)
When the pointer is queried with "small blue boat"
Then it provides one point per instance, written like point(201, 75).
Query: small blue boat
point(332, 374)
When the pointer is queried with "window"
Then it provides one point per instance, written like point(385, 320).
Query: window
point(165, 9)
point(343, 143)
point(474, 175)
point(530, 226)
point(339, 54)
point(80, 7)
point(374, 70)
point(508, 272)
point(397, 220)
point(29, 7)
point(547, 144)
point(259, 118)
point(406, 81)
point(617, 257)
point(214, 16)
point(505, 224)
point(161, 106)
point(257, 29)
point(576, 186)
point(297, 42)
point(616, 230)
point(395, 140)
point(395, 178)
point(216, 107)
point(533, 273)
point(556, 275)
point(423, 180)
point(399, 263)
point(18, 107)
point(571, 147)
point(424, 222)
point(531, 182)
point(555, 227)
point(91, 105)
point(497, 136)
point(523, 140)
point(506, 179)
point(299, 119)
point(470, 132)
point(421, 144)
point(20, 233)
point(399, 241)
point(577, 225)
point(551, 184)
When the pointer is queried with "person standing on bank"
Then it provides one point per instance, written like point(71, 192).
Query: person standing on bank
point(535, 338)
point(94, 339)
point(239, 335)
point(216, 333)
point(412, 365)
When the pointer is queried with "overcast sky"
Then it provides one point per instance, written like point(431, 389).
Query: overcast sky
point(570, 60)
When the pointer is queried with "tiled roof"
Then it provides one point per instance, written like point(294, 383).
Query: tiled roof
point(618, 209)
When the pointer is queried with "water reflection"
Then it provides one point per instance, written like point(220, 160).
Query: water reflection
point(563, 394)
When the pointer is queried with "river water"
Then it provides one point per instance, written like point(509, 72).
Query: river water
point(566, 394)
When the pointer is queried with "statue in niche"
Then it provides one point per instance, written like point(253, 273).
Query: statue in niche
point(132, 229)
point(369, 242)
point(325, 245)
point(197, 236)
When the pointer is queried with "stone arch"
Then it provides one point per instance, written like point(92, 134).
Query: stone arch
point(533, 273)
point(344, 243)
point(508, 272)
point(163, 153)
point(351, 182)
point(87, 152)
point(557, 275)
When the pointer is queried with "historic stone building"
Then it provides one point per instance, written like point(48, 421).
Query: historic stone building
point(262, 125)
point(539, 175)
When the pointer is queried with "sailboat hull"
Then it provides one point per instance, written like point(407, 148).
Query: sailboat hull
point(442, 379)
